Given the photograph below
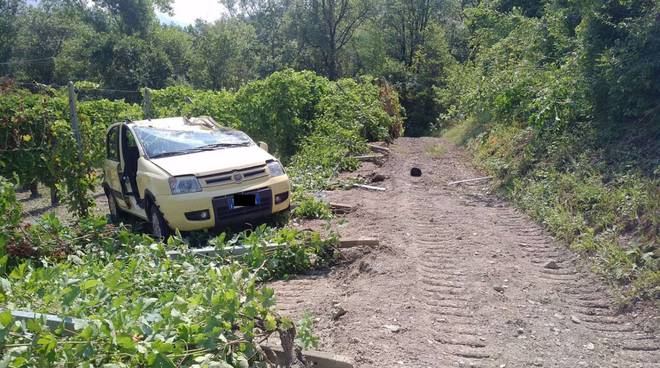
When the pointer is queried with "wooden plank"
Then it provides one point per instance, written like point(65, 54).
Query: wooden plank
point(315, 359)
point(374, 157)
point(235, 251)
point(370, 187)
point(379, 149)
point(71, 325)
point(340, 207)
point(366, 242)
point(470, 180)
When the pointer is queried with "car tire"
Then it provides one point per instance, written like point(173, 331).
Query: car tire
point(159, 228)
point(115, 215)
point(281, 219)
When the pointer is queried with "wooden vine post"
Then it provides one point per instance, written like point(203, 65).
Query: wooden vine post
point(147, 107)
point(75, 124)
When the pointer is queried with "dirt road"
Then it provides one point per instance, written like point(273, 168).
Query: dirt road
point(461, 279)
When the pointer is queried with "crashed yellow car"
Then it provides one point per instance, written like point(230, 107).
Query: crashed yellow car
point(191, 174)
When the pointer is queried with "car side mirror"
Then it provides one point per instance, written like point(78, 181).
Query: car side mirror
point(263, 146)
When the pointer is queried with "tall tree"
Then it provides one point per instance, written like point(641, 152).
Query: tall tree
point(134, 17)
point(333, 25)
point(224, 54)
point(8, 27)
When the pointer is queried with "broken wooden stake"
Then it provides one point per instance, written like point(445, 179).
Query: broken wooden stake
point(379, 149)
point(374, 157)
point(314, 358)
point(350, 243)
point(470, 180)
point(370, 187)
point(340, 208)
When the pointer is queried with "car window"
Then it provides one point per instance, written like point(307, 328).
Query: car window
point(130, 139)
point(113, 144)
point(159, 142)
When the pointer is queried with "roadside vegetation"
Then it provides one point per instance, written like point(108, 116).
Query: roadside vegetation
point(187, 310)
point(557, 99)
point(561, 104)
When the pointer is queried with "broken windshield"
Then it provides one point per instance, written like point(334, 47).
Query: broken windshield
point(158, 142)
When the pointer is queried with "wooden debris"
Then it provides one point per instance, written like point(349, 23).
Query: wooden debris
point(470, 180)
point(340, 208)
point(314, 358)
point(366, 242)
point(379, 149)
point(375, 157)
point(370, 187)
point(235, 251)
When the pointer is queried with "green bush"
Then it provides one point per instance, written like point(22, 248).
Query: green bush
point(308, 207)
point(185, 101)
point(566, 124)
point(141, 310)
point(280, 109)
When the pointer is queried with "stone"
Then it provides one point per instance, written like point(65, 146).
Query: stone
point(337, 313)
point(393, 328)
point(575, 320)
point(552, 265)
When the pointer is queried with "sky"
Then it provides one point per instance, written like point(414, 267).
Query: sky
point(186, 11)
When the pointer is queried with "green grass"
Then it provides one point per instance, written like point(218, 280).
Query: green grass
point(435, 151)
point(460, 134)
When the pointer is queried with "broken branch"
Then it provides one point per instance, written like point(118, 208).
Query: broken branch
point(350, 243)
point(470, 180)
point(370, 187)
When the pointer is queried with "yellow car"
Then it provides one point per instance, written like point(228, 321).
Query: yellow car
point(191, 174)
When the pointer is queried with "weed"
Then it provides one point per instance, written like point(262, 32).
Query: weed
point(436, 151)
point(310, 207)
point(305, 332)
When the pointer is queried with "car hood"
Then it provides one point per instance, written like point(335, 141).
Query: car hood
point(211, 162)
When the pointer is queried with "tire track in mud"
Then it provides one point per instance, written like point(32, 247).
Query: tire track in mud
point(470, 280)
point(587, 300)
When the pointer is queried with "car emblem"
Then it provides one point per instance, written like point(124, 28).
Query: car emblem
point(237, 177)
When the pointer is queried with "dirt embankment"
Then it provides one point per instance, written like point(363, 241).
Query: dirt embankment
point(461, 279)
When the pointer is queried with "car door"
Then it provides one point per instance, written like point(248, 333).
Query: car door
point(112, 166)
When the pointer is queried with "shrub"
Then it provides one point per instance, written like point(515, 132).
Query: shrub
point(310, 207)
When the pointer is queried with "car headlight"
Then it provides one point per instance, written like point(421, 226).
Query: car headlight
point(184, 184)
point(275, 168)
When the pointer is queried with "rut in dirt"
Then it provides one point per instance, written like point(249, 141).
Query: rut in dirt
point(466, 279)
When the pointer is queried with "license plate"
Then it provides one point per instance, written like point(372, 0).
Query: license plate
point(242, 200)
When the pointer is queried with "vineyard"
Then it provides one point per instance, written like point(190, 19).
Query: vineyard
point(186, 311)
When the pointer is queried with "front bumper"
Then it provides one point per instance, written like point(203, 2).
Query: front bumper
point(175, 207)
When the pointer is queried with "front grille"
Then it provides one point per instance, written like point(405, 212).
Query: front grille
point(226, 214)
point(229, 177)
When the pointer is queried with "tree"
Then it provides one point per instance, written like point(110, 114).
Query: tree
point(42, 32)
point(136, 63)
point(134, 17)
point(223, 54)
point(8, 27)
point(333, 24)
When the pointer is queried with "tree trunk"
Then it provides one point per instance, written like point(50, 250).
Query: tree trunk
point(34, 190)
point(54, 199)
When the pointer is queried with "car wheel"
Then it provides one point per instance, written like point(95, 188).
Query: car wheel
point(115, 213)
point(281, 219)
point(159, 228)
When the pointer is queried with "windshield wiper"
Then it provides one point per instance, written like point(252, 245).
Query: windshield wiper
point(208, 147)
point(223, 145)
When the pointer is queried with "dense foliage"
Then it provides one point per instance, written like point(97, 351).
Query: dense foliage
point(562, 100)
point(306, 119)
point(137, 305)
point(121, 46)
